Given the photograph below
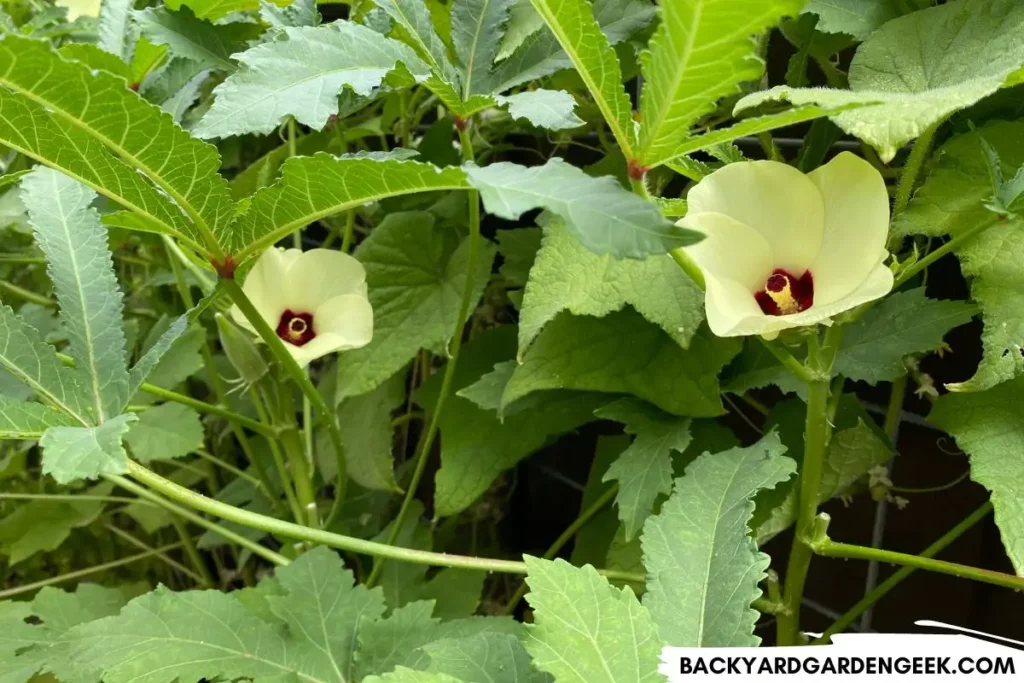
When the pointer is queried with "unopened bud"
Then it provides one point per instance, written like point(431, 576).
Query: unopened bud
point(241, 350)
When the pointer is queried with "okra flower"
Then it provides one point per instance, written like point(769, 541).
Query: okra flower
point(784, 249)
point(315, 300)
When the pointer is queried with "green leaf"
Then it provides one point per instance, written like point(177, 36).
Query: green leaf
point(859, 18)
point(751, 126)
point(586, 631)
point(594, 539)
point(40, 526)
point(540, 54)
point(116, 33)
point(415, 273)
point(71, 453)
point(212, 10)
point(622, 353)
point(165, 432)
point(703, 567)
point(551, 109)
point(194, 39)
point(951, 202)
point(856, 447)
point(644, 470)
point(989, 427)
point(162, 636)
point(100, 108)
point(701, 52)
point(95, 58)
point(33, 362)
point(301, 75)
point(604, 216)
point(414, 17)
point(31, 629)
point(484, 658)
point(477, 446)
point(149, 366)
point(404, 675)
point(298, 13)
point(567, 277)
point(68, 231)
point(920, 68)
point(523, 22)
point(315, 187)
point(398, 640)
point(24, 420)
point(366, 431)
point(573, 24)
point(477, 28)
point(904, 323)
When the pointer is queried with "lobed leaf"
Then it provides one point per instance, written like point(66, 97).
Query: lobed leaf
point(99, 106)
point(585, 630)
point(701, 52)
point(301, 74)
point(25, 420)
point(606, 218)
point(567, 277)
point(72, 453)
point(644, 469)
point(189, 37)
point(574, 26)
point(703, 567)
point(477, 28)
point(165, 432)
point(68, 231)
point(920, 68)
point(315, 187)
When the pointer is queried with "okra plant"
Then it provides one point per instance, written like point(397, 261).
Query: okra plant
point(300, 300)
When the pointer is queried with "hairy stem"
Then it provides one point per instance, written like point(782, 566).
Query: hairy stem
point(191, 516)
point(348, 543)
point(817, 433)
point(465, 305)
point(193, 552)
point(883, 588)
point(297, 374)
point(911, 169)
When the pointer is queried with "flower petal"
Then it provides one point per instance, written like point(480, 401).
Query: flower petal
point(318, 275)
point(263, 286)
point(774, 199)
point(877, 284)
point(730, 250)
point(731, 307)
point(320, 345)
point(856, 225)
point(348, 317)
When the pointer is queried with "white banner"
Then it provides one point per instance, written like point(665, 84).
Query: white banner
point(853, 658)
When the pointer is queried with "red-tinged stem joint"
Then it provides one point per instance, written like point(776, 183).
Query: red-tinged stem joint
point(461, 124)
point(635, 170)
point(225, 269)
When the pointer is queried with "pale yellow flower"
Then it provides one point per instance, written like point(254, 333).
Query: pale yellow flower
point(784, 249)
point(315, 300)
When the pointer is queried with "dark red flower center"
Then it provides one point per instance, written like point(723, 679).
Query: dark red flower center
point(296, 328)
point(784, 294)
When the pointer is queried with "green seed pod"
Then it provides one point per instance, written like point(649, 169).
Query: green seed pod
point(241, 350)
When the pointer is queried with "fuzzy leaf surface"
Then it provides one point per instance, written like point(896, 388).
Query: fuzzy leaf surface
point(703, 567)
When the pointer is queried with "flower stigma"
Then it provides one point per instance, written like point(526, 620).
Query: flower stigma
point(296, 328)
point(784, 294)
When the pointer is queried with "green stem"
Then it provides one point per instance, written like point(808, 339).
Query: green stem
point(70, 496)
point(82, 573)
point(817, 433)
point(946, 248)
point(263, 406)
point(787, 360)
point(830, 548)
point(213, 459)
point(202, 407)
point(193, 552)
point(894, 410)
point(350, 229)
point(689, 267)
point(465, 305)
point(27, 295)
point(585, 516)
point(911, 169)
point(21, 260)
point(902, 573)
point(297, 374)
point(164, 557)
point(301, 476)
point(186, 513)
point(285, 529)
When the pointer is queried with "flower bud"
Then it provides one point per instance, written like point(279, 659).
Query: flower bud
point(241, 350)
